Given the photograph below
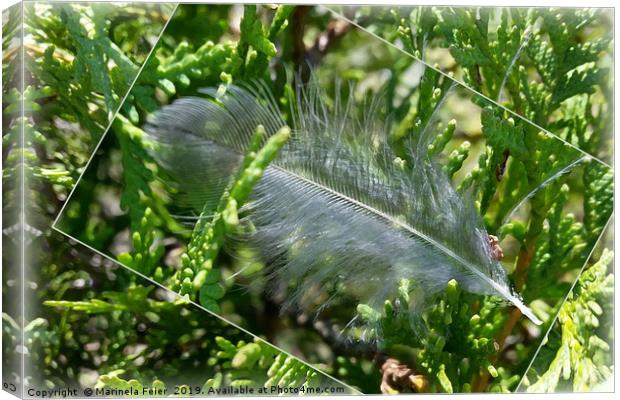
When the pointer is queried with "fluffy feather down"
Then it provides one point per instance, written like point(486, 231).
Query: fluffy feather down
point(336, 208)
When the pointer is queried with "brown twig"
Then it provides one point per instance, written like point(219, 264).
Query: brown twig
point(523, 262)
point(399, 378)
point(501, 167)
point(306, 57)
point(298, 26)
point(335, 30)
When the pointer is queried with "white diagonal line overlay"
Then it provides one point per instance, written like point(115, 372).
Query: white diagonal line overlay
point(341, 16)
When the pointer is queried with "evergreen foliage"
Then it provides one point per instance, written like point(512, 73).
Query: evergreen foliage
point(533, 61)
point(579, 357)
point(521, 178)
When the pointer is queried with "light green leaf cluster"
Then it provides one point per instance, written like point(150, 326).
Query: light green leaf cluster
point(583, 358)
point(257, 364)
point(210, 64)
point(450, 346)
point(209, 234)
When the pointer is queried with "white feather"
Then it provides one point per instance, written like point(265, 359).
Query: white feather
point(334, 209)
